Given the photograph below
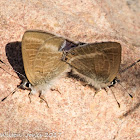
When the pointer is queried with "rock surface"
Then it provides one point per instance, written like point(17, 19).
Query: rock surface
point(73, 114)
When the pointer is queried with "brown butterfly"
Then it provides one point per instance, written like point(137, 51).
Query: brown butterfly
point(41, 53)
point(97, 64)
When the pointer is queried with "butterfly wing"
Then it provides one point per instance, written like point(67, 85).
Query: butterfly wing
point(97, 63)
point(41, 56)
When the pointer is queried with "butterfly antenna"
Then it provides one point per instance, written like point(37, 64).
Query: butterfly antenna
point(130, 66)
point(2, 61)
point(9, 94)
point(115, 97)
point(118, 81)
point(8, 72)
point(125, 90)
point(124, 71)
point(13, 70)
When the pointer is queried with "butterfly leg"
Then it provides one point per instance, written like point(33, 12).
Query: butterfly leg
point(42, 97)
point(29, 95)
point(97, 92)
point(32, 92)
point(55, 89)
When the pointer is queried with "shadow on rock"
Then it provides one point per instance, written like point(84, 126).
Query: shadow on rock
point(14, 56)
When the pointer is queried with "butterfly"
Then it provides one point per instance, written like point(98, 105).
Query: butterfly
point(41, 54)
point(97, 63)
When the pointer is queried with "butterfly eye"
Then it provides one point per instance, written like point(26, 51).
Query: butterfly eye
point(66, 58)
point(27, 85)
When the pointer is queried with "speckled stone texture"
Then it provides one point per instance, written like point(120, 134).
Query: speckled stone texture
point(73, 114)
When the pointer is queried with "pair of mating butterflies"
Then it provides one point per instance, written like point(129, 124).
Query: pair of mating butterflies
point(46, 59)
